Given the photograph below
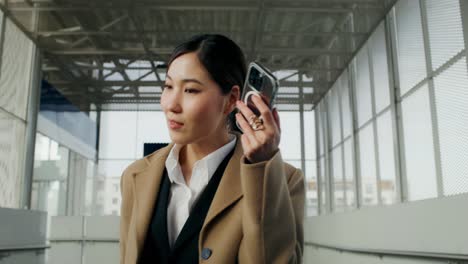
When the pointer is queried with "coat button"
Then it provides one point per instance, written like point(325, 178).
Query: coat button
point(206, 253)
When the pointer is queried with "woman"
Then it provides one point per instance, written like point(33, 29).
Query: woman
point(213, 195)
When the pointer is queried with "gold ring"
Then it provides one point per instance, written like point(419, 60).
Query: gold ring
point(256, 122)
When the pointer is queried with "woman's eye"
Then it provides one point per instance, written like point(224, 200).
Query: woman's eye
point(189, 90)
point(166, 87)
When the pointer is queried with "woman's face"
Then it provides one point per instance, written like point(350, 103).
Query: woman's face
point(192, 102)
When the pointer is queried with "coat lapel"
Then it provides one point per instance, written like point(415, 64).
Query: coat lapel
point(229, 189)
point(147, 184)
point(198, 214)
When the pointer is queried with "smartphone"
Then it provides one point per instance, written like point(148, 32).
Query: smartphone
point(261, 81)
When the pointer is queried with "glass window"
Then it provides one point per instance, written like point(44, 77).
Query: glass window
point(345, 107)
point(321, 128)
point(152, 128)
point(386, 158)
point(367, 166)
point(419, 146)
point(334, 110)
point(309, 135)
point(363, 87)
point(337, 176)
point(311, 188)
point(118, 133)
point(90, 189)
point(290, 137)
point(410, 45)
point(445, 30)
point(451, 95)
point(350, 181)
point(380, 68)
point(323, 186)
point(50, 177)
point(311, 164)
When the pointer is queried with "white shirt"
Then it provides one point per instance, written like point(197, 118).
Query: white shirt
point(182, 196)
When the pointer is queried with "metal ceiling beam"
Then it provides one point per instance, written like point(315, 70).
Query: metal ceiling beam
point(139, 28)
point(97, 44)
point(101, 29)
point(309, 7)
point(113, 69)
point(168, 51)
point(139, 83)
point(61, 33)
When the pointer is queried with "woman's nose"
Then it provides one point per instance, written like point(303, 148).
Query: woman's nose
point(173, 102)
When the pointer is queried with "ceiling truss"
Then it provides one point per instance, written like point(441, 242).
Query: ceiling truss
point(110, 55)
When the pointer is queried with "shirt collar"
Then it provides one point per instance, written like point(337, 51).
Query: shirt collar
point(209, 163)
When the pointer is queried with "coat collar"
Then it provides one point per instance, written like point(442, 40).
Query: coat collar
point(148, 182)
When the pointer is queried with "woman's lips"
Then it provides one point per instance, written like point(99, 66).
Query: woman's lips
point(175, 125)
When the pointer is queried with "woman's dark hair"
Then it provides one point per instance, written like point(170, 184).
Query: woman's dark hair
point(222, 58)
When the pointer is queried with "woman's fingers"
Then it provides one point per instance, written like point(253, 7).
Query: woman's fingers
point(276, 117)
point(244, 109)
point(248, 131)
point(261, 144)
point(268, 117)
point(246, 128)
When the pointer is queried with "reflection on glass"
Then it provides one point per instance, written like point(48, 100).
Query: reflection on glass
point(419, 146)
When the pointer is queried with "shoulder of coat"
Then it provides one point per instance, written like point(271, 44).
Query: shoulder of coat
point(141, 164)
point(136, 166)
point(289, 169)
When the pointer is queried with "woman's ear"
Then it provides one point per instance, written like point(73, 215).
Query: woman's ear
point(234, 95)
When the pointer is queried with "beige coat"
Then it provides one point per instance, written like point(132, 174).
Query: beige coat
point(256, 215)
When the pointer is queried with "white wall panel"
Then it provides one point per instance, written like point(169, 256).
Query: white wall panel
point(64, 252)
point(16, 71)
point(20, 230)
point(101, 252)
point(12, 133)
point(314, 255)
point(430, 226)
point(102, 227)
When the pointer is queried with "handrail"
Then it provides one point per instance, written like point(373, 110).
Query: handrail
point(84, 239)
point(398, 253)
point(25, 247)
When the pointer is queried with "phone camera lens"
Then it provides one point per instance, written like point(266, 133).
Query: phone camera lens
point(255, 79)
